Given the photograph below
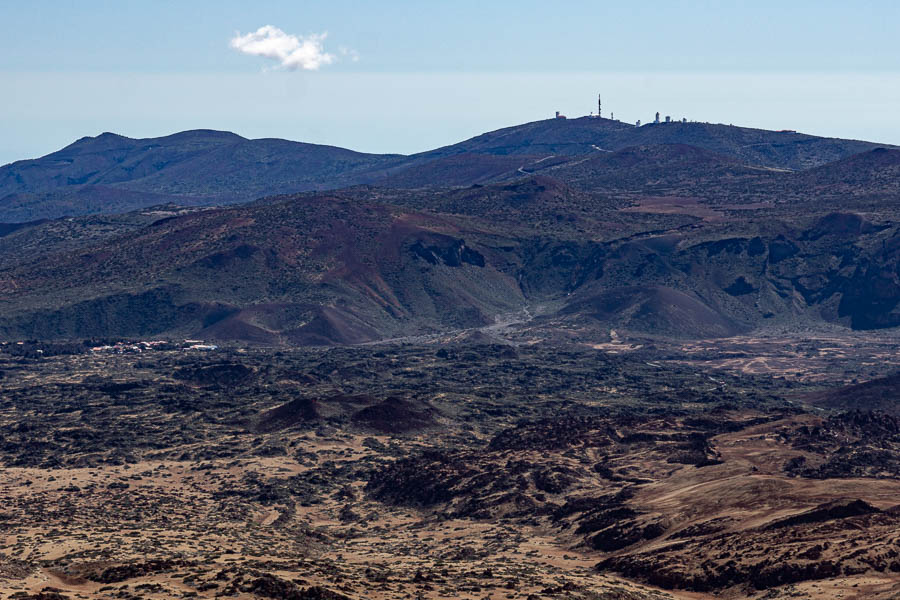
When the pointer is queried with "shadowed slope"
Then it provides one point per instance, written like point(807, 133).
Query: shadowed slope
point(308, 271)
point(654, 310)
point(881, 394)
point(113, 173)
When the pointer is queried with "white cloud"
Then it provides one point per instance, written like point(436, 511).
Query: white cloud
point(291, 51)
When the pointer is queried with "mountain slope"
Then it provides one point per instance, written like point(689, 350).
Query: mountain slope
point(586, 135)
point(351, 267)
point(112, 173)
point(307, 271)
point(108, 159)
point(880, 394)
point(876, 172)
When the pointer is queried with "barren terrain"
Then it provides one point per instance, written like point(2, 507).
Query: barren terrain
point(434, 471)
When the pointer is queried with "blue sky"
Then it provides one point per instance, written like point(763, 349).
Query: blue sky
point(432, 73)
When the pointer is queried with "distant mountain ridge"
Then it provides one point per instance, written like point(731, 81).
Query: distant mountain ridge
point(585, 135)
point(113, 173)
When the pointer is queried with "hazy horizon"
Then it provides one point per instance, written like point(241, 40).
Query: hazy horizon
point(401, 77)
point(435, 110)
